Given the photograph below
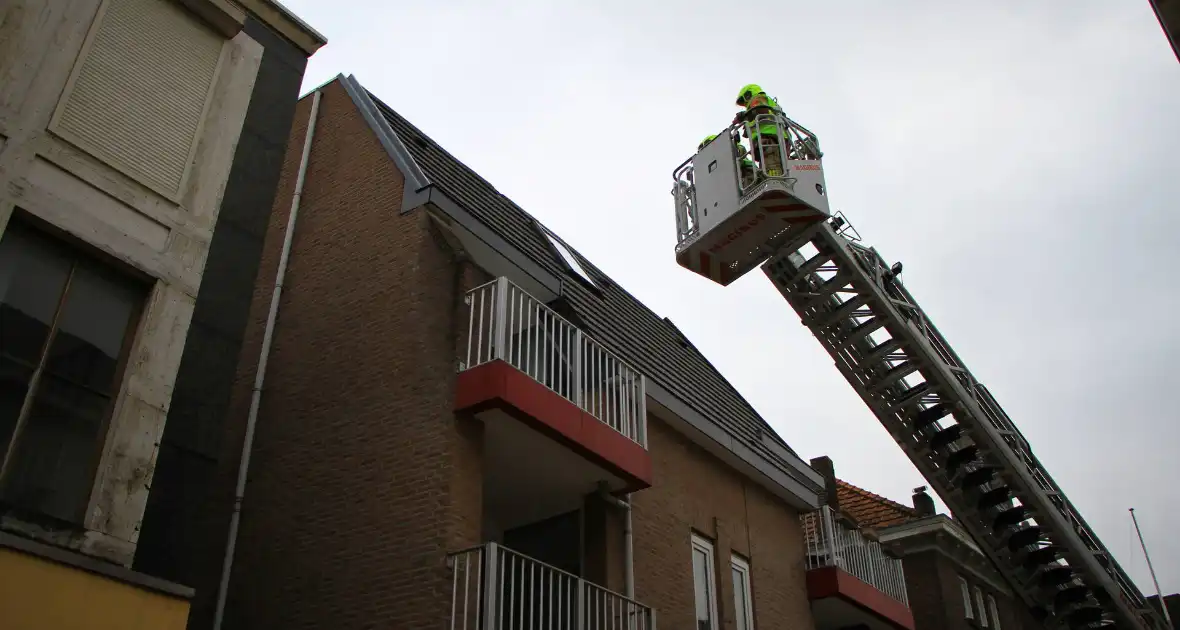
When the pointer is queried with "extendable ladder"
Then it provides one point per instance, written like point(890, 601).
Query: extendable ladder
point(954, 431)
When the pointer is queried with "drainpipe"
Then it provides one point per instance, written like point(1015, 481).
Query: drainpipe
point(256, 396)
point(628, 539)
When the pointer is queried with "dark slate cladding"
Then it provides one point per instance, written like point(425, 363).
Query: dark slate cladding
point(614, 317)
point(171, 535)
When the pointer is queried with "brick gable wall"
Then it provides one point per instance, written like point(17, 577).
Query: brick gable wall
point(358, 460)
point(362, 477)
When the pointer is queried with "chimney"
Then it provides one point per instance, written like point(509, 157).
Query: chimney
point(823, 466)
point(922, 502)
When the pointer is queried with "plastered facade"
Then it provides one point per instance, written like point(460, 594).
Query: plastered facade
point(163, 237)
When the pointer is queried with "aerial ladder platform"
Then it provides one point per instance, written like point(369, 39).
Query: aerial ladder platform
point(854, 302)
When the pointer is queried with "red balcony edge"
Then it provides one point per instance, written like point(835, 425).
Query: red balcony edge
point(827, 582)
point(499, 385)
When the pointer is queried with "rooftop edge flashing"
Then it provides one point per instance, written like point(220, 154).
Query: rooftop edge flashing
point(273, 13)
point(795, 491)
point(923, 535)
point(927, 524)
point(416, 179)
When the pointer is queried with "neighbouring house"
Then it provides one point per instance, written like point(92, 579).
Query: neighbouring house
point(132, 133)
point(464, 423)
point(950, 583)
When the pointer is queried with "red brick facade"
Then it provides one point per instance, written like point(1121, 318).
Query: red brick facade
point(936, 599)
point(362, 478)
point(696, 492)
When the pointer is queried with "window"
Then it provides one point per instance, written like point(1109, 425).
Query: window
point(141, 90)
point(979, 607)
point(743, 610)
point(567, 256)
point(64, 325)
point(706, 589)
point(995, 612)
point(966, 590)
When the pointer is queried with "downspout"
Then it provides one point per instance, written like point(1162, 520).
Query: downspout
point(628, 539)
point(264, 354)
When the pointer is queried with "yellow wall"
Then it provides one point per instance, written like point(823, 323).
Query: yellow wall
point(37, 594)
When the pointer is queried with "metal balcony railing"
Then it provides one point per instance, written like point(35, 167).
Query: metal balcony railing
point(505, 322)
point(495, 588)
point(830, 544)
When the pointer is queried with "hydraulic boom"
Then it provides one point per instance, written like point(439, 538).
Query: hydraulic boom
point(955, 433)
point(730, 220)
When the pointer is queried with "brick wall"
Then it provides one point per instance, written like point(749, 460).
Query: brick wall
point(357, 458)
point(932, 582)
point(362, 478)
point(933, 605)
point(696, 492)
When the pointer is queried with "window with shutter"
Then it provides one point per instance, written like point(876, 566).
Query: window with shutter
point(140, 90)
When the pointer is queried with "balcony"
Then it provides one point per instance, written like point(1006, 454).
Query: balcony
point(495, 588)
point(562, 415)
point(850, 579)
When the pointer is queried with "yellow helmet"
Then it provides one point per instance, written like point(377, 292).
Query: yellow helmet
point(707, 140)
point(748, 93)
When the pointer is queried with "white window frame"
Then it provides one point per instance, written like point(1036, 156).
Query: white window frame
point(965, 589)
point(982, 609)
point(994, 610)
point(567, 255)
point(743, 597)
point(705, 546)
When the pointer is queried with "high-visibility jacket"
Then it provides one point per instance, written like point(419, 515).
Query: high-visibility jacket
point(761, 103)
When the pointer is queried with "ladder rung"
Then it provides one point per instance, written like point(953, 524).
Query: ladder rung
point(929, 416)
point(911, 396)
point(894, 375)
point(808, 267)
point(881, 351)
point(835, 283)
point(860, 332)
point(843, 311)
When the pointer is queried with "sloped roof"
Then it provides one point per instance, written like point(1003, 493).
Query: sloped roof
point(614, 317)
point(871, 510)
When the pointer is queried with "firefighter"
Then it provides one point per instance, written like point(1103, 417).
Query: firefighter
point(745, 165)
point(764, 136)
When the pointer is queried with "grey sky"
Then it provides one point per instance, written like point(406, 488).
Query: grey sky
point(1016, 156)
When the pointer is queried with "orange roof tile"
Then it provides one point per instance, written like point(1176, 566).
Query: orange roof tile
point(871, 510)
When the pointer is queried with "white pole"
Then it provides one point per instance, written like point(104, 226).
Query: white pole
point(256, 396)
point(1150, 569)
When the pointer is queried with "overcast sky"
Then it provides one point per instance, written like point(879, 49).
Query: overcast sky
point(1019, 157)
